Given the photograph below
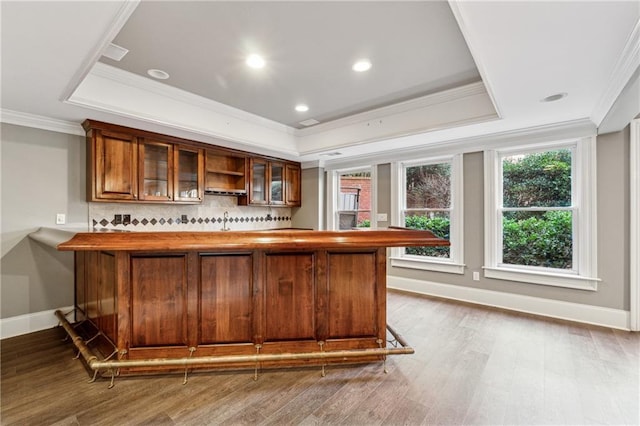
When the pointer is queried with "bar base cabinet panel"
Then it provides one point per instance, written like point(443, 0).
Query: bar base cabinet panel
point(176, 305)
point(289, 297)
point(353, 295)
point(158, 300)
point(225, 298)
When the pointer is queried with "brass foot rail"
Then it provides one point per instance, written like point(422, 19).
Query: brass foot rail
point(112, 365)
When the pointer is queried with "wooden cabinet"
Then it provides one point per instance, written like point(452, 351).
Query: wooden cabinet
point(272, 183)
point(292, 185)
point(164, 295)
point(226, 173)
point(126, 165)
point(112, 166)
point(130, 165)
point(159, 304)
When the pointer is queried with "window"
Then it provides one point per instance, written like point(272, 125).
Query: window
point(429, 196)
point(540, 206)
point(354, 192)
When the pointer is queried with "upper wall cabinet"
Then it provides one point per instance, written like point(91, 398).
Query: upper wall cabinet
point(292, 185)
point(272, 183)
point(129, 165)
point(112, 166)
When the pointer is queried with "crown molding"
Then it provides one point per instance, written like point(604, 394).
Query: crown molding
point(143, 83)
point(494, 140)
point(121, 17)
point(40, 122)
point(474, 50)
point(438, 98)
point(626, 65)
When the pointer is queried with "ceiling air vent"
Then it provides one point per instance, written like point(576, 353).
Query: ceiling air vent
point(309, 122)
point(115, 52)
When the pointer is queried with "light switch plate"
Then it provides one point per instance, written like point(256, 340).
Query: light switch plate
point(61, 219)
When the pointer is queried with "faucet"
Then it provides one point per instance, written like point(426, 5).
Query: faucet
point(225, 219)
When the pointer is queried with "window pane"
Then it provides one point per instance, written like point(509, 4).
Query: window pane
point(354, 202)
point(541, 179)
point(436, 222)
point(538, 239)
point(428, 186)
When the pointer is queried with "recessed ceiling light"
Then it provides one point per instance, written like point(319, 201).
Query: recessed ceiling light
point(255, 61)
point(302, 108)
point(159, 74)
point(362, 65)
point(556, 97)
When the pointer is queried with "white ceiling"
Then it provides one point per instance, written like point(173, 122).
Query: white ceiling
point(423, 86)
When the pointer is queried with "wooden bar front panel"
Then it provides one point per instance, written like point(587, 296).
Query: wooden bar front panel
point(226, 298)
point(107, 296)
point(80, 285)
point(352, 303)
point(158, 300)
point(289, 297)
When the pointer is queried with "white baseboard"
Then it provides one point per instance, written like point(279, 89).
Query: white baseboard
point(28, 323)
point(606, 317)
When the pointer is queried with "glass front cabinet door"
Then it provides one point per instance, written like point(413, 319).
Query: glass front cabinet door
point(276, 183)
point(258, 182)
point(154, 167)
point(188, 179)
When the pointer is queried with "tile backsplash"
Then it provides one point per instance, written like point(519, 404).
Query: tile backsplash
point(208, 216)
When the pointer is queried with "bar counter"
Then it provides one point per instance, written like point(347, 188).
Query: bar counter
point(233, 299)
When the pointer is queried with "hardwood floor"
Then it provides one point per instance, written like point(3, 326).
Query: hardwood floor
point(472, 365)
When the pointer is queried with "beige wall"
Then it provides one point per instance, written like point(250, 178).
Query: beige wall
point(309, 215)
point(613, 231)
point(43, 173)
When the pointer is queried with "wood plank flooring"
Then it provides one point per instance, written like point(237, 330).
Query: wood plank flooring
point(472, 365)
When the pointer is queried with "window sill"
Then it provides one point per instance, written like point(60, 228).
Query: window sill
point(544, 278)
point(427, 265)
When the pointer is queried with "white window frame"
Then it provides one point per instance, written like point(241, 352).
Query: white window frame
point(584, 268)
point(455, 263)
point(333, 192)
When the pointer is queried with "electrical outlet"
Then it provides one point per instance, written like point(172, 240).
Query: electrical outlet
point(476, 276)
point(126, 219)
point(61, 219)
point(117, 219)
point(381, 217)
point(184, 219)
